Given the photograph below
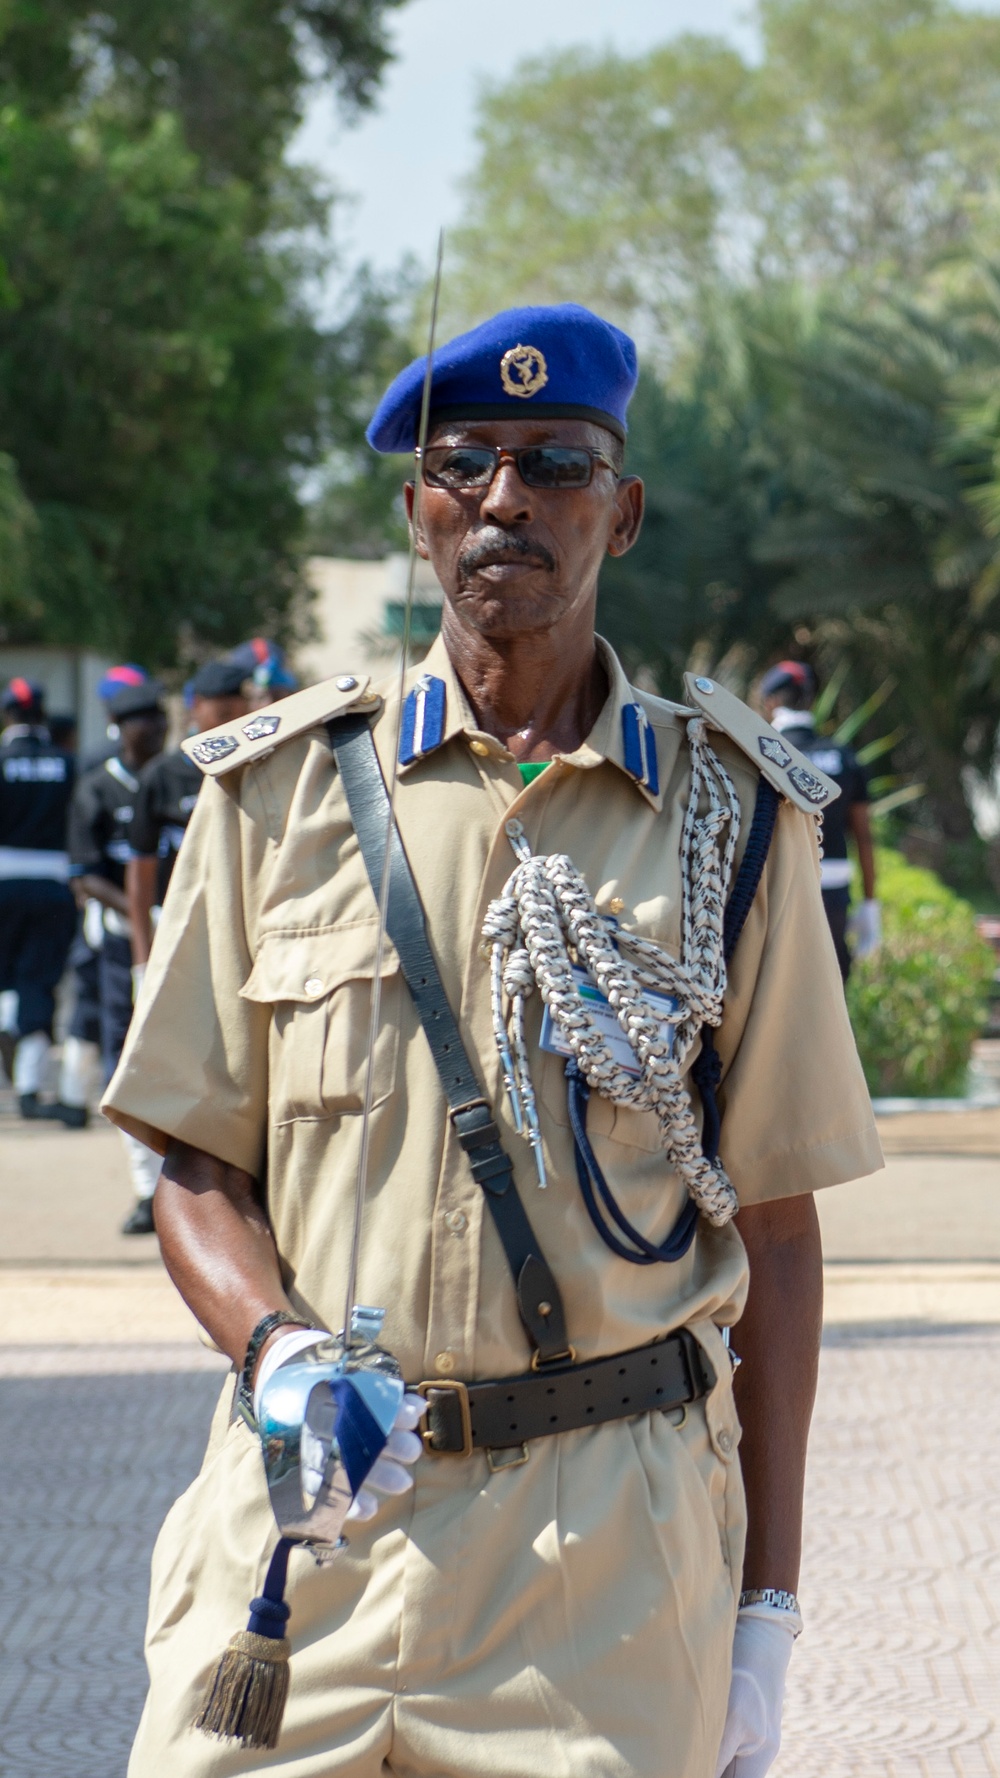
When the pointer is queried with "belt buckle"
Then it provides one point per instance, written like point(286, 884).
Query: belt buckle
point(459, 1389)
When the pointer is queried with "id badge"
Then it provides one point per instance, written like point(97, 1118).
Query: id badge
point(603, 1015)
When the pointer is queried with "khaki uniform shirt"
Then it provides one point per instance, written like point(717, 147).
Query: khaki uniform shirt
point(250, 1038)
point(572, 1613)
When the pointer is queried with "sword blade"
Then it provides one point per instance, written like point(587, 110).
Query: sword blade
point(361, 1186)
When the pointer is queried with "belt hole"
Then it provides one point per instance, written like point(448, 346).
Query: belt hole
point(513, 1426)
point(552, 1419)
point(621, 1373)
point(659, 1389)
point(510, 1398)
point(625, 1400)
point(550, 1391)
point(587, 1382)
point(590, 1410)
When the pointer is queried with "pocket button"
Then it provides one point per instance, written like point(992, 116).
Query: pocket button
point(313, 987)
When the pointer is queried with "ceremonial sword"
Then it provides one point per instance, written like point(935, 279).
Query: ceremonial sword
point(325, 1416)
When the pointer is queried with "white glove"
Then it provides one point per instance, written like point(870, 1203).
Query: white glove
point(390, 1473)
point(866, 927)
point(762, 1649)
point(138, 977)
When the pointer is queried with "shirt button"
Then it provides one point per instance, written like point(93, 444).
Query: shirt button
point(479, 747)
point(456, 1221)
point(445, 1363)
point(347, 683)
point(725, 1442)
point(313, 987)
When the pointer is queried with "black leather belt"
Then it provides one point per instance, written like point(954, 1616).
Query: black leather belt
point(466, 1417)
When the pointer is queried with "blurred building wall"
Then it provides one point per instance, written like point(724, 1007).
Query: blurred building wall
point(357, 612)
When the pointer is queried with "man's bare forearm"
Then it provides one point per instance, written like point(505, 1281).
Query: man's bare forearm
point(217, 1246)
point(140, 889)
point(778, 1340)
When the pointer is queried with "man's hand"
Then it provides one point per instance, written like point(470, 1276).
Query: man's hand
point(390, 1473)
point(761, 1651)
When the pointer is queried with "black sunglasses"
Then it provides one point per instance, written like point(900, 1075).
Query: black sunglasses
point(540, 466)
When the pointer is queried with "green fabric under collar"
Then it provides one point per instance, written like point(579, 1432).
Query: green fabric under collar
point(533, 769)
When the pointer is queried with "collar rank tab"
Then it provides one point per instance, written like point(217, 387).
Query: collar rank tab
point(640, 748)
point(423, 719)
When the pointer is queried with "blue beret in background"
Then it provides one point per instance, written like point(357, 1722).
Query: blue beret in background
point(559, 363)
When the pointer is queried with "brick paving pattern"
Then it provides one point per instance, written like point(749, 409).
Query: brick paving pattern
point(898, 1673)
point(897, 1676)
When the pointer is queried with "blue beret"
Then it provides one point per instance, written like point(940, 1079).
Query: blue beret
point(559, 363)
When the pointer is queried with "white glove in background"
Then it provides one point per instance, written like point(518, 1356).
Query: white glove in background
point(762, 1649)
point(390, 1473)
point(866, 927)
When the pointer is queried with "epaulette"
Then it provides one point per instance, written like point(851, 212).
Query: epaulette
point(784, 766)
point(220, 750)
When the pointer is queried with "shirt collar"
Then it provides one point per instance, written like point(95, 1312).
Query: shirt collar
point(606, 740)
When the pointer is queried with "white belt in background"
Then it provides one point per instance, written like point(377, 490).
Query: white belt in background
point(22, 861)
point(835, 873)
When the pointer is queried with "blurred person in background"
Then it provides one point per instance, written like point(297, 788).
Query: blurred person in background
point(268, 677)
point(80, 1075)
point(37, 910)
point(101, 816)
point(168, 791)
point(788, 692)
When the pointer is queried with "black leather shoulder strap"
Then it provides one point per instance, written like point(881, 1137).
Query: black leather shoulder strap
point(538, 1297)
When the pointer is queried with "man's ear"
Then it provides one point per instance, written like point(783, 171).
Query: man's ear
point(409, 495)
point(630, 499)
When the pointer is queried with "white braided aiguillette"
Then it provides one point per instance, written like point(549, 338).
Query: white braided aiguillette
point(546, 912)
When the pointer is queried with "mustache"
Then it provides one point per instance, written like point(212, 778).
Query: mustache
point(496, 545)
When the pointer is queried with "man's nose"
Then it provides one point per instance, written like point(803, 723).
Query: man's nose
point(507, 499)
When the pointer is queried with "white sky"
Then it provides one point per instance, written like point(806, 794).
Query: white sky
point(401, 162)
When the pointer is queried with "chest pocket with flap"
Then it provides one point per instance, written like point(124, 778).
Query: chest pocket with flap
point(319, 985)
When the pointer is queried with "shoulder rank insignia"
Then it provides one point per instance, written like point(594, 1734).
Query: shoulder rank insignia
point(423, 719)
point(222, 749)
point(791, 773)
point(261, 726)
point(639, 743)
point(212, 748)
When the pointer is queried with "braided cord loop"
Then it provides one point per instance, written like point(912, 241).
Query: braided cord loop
point(546, 918)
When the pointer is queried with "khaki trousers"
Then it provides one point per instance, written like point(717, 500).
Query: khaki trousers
point(568, 1618)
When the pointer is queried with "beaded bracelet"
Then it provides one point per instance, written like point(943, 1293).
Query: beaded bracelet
point(263, 1331)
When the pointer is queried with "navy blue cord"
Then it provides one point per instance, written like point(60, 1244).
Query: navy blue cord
point(269, 1614)
point(706, 1071)
point(589, 1174)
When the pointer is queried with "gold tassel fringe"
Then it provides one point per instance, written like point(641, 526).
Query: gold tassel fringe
point(246, 1699)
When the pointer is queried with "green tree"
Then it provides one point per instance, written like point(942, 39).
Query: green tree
point(357, 509)
point(880, 548)
point(162, 382)
point(861, 143)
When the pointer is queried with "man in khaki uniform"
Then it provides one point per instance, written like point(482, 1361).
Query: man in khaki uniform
point(569, 1606)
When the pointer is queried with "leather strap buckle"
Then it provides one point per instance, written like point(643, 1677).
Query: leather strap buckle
point(440, 1385)
point(538, 1363)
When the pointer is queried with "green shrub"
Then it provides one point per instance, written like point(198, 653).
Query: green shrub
point(917, 1005)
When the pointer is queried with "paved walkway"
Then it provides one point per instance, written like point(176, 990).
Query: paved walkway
point(106, 1392)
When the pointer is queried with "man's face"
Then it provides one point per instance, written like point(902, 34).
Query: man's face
point(513, 559)
point(143, 735)
point(210, 712)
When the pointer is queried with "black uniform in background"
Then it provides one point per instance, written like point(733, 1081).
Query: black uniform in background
point(168, 791)
point(99, 826)
point(843, 765)
point(37, 910)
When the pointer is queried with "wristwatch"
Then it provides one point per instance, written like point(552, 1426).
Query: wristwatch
point(776, 1597)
